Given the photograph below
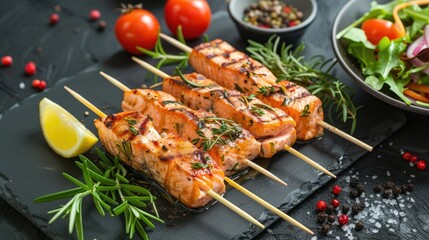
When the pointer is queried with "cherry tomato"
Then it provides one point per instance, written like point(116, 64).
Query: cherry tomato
point(137, 28)
point(376, 29)
point(193, 15)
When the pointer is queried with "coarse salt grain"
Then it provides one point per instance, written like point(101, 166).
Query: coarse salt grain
point(412, 175)
point(21, 85)
point(378, 225)
point(374, 177)
point(388, 173)
point(314, 238)
point(375, 230)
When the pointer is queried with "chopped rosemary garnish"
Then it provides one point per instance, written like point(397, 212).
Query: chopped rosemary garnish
point(126, 149)
point(131, 123)
point(265, 106)
point(266, 90)
point(305, 112)
point(110, 191)
point(198, 165)
point(257, 111)
point(233, 167)
point(227, 131)
point(288, 64)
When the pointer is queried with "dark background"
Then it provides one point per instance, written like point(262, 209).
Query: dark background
point(75, 44)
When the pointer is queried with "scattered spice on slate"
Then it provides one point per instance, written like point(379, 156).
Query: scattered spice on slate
point(30, 68)
point(321, 206)
point(321, 217)
point(387, 193)
point(329, 209)
point(410, 187)
point(335, 203)
point(406, 156)
point(6, 61)
point(343, 219)
point(356, 208)
point(354, 182)
point(331, 218)
point(101, 25)
point(389, 185)
point(396, 191)
point(403, 189)
point(336, 190)
point(359, 226)
point(54, 18)
point(421, 165)
point(325, 229)
point(345, 209)
point(94, 15)
point(414, 158)
point(354, 193)
point(360, 188)
point(378, 188)
point(86, 113)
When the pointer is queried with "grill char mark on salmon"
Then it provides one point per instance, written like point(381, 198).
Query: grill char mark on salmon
point(171, 116)
point(233, 69)
point(167, 160)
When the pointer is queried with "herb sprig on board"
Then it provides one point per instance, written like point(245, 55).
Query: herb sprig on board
point(110, 191)
point(288, 64)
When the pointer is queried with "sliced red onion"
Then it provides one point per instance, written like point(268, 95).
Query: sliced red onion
point(418, 45)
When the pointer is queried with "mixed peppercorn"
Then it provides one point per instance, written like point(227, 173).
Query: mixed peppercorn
point(272, 14)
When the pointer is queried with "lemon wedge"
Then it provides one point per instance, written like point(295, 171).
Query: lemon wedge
point(66, 135)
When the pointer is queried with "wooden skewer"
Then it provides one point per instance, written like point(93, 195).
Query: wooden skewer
point(345, 135)
point(248, 162)
point(268, 206)
point(323, 124)
point(288, 148)
point(308, 160)
point(213, 194)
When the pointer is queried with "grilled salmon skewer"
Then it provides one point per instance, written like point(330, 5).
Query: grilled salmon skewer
point(108, 127)
point(169, 160)
point(222, 63)
point(172, 116)
point(286, 147)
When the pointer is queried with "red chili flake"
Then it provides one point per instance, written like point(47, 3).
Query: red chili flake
point(321, 206)
point(421, 165)
point(335, 203)
point(30, 68)
point(343, 219)
point(414, 158)
point(94, 15)
point(6, 61)
point(406, 156)
point(54, 18)
point(264, 25)
point(336, 190)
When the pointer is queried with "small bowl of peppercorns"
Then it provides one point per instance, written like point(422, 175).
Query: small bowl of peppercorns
point(258, 20)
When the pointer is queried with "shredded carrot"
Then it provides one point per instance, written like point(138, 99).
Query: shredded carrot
point(418, 87)
point(401, 6)
point(416, 96)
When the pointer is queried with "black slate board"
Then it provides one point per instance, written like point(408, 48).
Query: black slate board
point(32, 169)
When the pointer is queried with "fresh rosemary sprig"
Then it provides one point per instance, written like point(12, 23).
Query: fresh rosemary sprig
point(110, 191)
point(288, 64)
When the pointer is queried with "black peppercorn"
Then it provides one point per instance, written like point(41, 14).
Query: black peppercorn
point(378, 188)
point(321, 217)
point(354, 193)
point(389, 185)
point(396, 191)
point(387, 193)
point(353, 182)
point(359, 225)
point(410, 187)
point(325, 229)
point(361, 205)
point(356, 208)
point(329, 209)
point(403, 189)
point(101, 25)
point(345, 209)
point(360, 188)
point(331, 218)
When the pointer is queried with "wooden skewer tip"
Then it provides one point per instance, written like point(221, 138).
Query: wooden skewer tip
point(265, 172)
